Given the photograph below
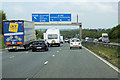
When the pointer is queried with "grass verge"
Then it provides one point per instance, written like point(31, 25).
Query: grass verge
point(115, 40)
point(1, 42)
point(111, 54)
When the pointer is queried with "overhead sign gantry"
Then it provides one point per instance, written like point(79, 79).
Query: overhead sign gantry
point(58, 19)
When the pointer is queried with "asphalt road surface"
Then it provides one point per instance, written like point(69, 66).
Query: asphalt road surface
point(58, 62)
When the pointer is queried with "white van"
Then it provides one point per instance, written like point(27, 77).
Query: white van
point(52, 36)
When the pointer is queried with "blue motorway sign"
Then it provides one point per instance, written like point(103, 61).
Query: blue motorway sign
point(40, 17)
point(57, 17)
point(60, 17)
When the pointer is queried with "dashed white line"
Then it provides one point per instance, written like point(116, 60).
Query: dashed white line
point(53, 55)
point(26, 52)
point(12, 56)
point(57, 51)
point(46, 62)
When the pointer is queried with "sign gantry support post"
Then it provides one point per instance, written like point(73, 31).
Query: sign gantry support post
point(80, 26)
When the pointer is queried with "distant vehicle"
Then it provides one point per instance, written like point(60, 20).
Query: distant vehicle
point(100, 39)
point(18, 34)
point(75, 43)
point(95, 40)
point(88, 40)
point(52, 36)
point(61, 39)
point(39, 45)
point(105, 38)
point(70, 39)
point(66, 40)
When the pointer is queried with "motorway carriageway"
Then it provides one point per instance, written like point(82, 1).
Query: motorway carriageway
point(58, 62)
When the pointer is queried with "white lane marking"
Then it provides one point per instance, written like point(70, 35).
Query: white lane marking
point(109, 64)
point(26, 52)
point(27, 79)
point(57, 51)
point(60, 49)
point(12, 56)
point(46, 62)
point(53, 55)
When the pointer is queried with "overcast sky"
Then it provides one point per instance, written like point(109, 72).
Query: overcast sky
point(93, 14)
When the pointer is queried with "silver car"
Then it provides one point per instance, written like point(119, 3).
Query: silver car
point(75, 43)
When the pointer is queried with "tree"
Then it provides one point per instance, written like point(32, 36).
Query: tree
point(2, 17)
point(114, 33)
point(38, 34)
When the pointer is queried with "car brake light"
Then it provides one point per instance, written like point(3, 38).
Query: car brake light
point(43, 43)
point(71, 43)
point(79, 43)
point(33, 44)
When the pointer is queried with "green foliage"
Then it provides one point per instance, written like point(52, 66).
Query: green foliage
point(2, 17)
point(93, 33)
point(38, 34)
point(114, 33)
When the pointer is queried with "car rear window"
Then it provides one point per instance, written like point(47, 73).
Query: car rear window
point(39, 42)
point(75, 41)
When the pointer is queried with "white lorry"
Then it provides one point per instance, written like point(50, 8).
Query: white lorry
point(105, 38)
point(52, 36)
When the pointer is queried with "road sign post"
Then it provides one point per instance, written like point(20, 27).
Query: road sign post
point(80, 26)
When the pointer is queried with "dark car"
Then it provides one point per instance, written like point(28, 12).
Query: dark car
point(39, 45)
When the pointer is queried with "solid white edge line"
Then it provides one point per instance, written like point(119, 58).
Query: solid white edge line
point(111, 65)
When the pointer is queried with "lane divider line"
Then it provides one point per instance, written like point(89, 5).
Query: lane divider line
point(26, 52)
point(57, 51)
point(12, 56)
point(109, 64)
point(46, 62)
point(53, 55)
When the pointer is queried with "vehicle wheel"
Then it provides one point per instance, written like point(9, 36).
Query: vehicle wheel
point(80, 47)
point(27, 47)
point(33, 50)
point(9, 50)
point(46, 49)
point(15, 50)
point(58, 45)
point(70, 48)
point(51, 45)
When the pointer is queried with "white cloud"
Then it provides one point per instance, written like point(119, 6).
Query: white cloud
point(105, 8)
point(18, 10)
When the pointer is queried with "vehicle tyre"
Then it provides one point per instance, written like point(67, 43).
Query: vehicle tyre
point(58, 45)
point(9, 50)
point(50, 45)
point(46, 49)
point(70, 48)
point(80, 47)
point(33, 50)
point(15, 50)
